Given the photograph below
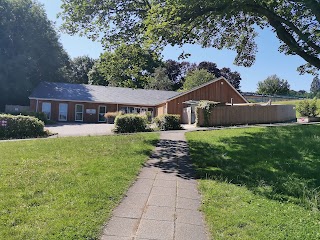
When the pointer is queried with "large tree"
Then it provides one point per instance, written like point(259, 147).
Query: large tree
point(221, 24)
point(233, 77)
point(177, 72)
point(315, 86)
point(273, 85)
point(30, 51)
point(126, 66)
point(80, 68)
point(196, 78)
point(159, 80)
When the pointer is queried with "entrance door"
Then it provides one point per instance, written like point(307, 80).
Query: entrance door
point(79, 113)
point(102, 112)
point(63, 112)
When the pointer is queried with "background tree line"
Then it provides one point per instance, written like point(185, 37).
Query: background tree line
point(30, 52)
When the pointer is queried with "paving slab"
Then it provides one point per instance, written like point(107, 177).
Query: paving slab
point(164, 202)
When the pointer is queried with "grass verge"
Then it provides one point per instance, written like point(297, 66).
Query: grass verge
point(66, 188)
point(259, 183)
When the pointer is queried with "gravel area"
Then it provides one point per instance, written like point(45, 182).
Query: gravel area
point(83, 129)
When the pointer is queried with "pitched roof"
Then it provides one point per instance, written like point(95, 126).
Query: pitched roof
point(100, 94)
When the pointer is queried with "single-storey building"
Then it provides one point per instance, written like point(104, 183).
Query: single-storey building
point(67, 102)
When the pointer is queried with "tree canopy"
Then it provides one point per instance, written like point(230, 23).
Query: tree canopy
point(80, 68)
point(315, 86)
point(159, 80)
point(273, 85)
point(196, 78)
point(126, 66)
point(29, 50)
point(221, 24)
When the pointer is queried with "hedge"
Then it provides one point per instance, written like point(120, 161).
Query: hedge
point(130, 123)
point(308, 108)
point(168, 122)
point(20, 127)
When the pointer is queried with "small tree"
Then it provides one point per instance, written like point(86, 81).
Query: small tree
point(315, 86)
point(196, 78)
point(273, 85)
point(308, 108)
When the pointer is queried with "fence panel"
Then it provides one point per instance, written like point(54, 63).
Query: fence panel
point(236, 115)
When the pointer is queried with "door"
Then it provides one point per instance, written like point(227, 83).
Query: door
point(102, 112)
point(79, 113)
point(63, 112)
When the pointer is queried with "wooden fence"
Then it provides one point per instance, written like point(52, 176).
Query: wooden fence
point(238, 115)
point(16, 109)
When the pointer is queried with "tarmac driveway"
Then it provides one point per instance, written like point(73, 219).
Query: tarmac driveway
point(80, 129)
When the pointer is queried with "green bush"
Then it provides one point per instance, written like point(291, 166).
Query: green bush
point(308, 108)
point(20, 127)
point(168, 122)
point(130, 123)
point(40, 115)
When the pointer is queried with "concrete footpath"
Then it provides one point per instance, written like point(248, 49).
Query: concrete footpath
point(163, 203)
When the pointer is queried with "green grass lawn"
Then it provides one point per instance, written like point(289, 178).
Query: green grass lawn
point(294, 102)
point(66, 188)
point(260, 183)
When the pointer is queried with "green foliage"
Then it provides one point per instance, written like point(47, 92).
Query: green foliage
point(66, 188)
point(80, 68)
point(274, 194)
point(30, 51)
point(233, 78)
point(207, 107)
point(273, 85)
point(130, 123)
point(20, 127)
point(128, 66)
point(40, 115)
point(308, 108)
point(315, 86)
point(227, 24)
point(159, 80)
point(168, 122)
point(196, 78)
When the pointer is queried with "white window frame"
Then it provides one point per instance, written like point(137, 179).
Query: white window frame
point(48, 114)
point(75, 112)
point(103, 114)
point(66, 112)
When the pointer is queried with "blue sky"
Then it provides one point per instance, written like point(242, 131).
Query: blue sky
point(268, 60)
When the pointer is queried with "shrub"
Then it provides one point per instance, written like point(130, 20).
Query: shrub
point(40, 115)
point(308, 108)
point(20, 127)
point(130, 123)
point(110, 116)
point(207, 107)
point(168, 122)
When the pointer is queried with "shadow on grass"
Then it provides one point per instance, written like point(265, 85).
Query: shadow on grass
point(279, 163)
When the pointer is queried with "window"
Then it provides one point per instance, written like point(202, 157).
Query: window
point(137, 110)
point(124, 110)
point(63, 112)
point(46, 109)
point(79, 113)
point(102, 112)
point(144, 110)
point(130, 110)
point(150, 110)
